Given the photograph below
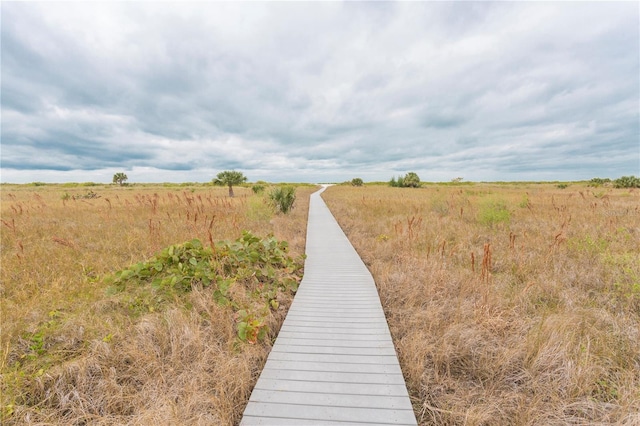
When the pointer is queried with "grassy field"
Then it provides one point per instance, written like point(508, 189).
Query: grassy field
point(80, 348)
point(508, 304)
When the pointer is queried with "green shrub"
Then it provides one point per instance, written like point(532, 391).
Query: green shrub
point(627, 182)
point(262, 265)
point(357, 182)
point(282, 198)
point(410, 180)
point(494, 212)
point(257, 189)
point(596, 182)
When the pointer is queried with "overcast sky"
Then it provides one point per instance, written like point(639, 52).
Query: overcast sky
point(319, 92)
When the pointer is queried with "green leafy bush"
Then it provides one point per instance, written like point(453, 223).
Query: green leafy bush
point(257, 189)
point(410, 180)
point(261, 265)
point(283, 198)
point(357, 182)
point(627, 182)
point(596, 182)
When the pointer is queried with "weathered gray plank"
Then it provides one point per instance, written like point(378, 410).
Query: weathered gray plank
point(318, 334)
point(332, 388)
point(334, 358)
point(334, 361)
point(280, 421)
point(368, 415)
point(308, 349)
point(345, 367)
point(325, 399)
point(336, 377)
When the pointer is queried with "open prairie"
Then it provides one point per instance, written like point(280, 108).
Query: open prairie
point(508, 304)
point(77, 349)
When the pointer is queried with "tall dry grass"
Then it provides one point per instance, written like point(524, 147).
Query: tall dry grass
point(74, 353)
point(508, 304)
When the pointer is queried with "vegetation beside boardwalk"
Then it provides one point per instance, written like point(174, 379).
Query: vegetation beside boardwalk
point(509, 303)
point(141, 304)
point(512, 304)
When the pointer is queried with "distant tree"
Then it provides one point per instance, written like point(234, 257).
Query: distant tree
point(230, 178)
point(120, 178)
point(627, 182)
point(357, 182)
point(411, 180)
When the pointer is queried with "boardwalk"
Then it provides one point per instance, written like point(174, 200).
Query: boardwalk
point(333, 361)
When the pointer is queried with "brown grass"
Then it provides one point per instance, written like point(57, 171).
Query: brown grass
point(73, 353)
point(508, 304)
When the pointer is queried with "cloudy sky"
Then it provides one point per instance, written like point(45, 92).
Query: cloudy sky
point(308, 92)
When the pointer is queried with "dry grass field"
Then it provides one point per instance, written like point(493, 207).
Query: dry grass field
point(508, 304)
point(75, 351)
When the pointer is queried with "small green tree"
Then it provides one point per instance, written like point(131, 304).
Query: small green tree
point(411, 180)
point(120, 178)
point(357, 182)
point(230, 178)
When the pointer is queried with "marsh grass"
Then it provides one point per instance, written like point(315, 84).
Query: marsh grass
point(510, 305)
point(74, 352)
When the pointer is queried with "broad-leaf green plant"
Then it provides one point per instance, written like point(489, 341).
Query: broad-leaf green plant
point(262, 265)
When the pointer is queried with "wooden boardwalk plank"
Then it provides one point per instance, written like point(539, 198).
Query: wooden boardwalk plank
point(368, 415)
point(330, 388)
point(334, 361)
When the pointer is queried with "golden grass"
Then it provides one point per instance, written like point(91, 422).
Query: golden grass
point(508, 304)
point(73, 353)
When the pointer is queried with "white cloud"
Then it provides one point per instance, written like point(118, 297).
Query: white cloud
point(319, 91)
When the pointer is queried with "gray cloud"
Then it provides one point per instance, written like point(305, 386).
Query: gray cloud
point(320, 91)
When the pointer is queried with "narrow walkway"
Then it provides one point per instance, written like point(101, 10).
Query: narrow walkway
point(333, 361)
